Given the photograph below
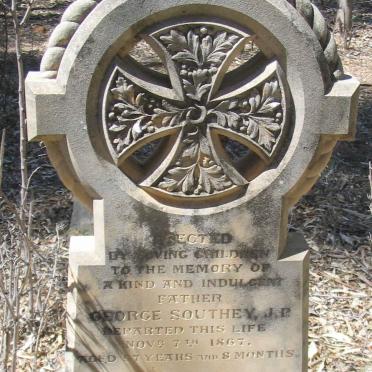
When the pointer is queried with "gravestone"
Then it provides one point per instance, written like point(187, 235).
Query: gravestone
point(190, 128)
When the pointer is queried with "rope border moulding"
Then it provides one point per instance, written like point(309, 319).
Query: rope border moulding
point(79, 10)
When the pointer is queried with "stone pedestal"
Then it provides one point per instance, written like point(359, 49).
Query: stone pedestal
point(190, 165)
point(207, 294)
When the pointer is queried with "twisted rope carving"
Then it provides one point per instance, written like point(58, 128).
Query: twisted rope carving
point(78, 10)
point(319, 25)
point(58, 41)
point(326, 144)
point(321, 158)
point(63, 33)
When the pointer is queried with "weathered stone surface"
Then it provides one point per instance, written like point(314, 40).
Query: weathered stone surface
point(52, 59)
point(191, 175)
point(78, 10)
point(62, 34)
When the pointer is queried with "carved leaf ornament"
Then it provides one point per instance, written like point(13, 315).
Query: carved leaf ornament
point(196, 104)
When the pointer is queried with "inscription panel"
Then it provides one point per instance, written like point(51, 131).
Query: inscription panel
point(199, 298)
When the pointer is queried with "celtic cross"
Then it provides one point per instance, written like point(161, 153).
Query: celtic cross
point(197, 103)
point(190, 171)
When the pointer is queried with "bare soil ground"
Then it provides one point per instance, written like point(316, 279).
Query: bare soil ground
point(335, 217)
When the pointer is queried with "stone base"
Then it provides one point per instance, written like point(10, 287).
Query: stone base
point(244, 314)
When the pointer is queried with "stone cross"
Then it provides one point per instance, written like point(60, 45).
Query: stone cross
point(190, 169)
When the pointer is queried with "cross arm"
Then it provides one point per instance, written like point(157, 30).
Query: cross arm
point(253, 113)
point(249, 81)
point(340, 109)
point(140, 76)
point(45, 108)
